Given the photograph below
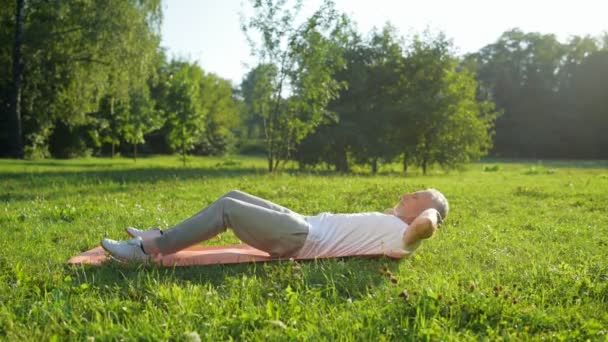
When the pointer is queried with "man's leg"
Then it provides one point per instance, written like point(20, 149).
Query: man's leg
point(260, 202)
point(276, 232)
point(236, 194)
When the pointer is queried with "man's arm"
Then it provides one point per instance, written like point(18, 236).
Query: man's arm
point(423, 227)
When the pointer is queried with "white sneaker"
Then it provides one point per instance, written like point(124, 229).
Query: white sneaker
point(145, 234)
point(126, 250)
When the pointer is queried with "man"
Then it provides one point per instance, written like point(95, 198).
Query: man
point(284, 233)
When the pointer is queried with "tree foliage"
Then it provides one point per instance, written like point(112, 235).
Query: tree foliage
point(185, 107)
point(74, 54)
point(88, 77)
point(94, 76)
point(445, 122)
point(222, 116)
point(409, 100)
point(296, 62)
point(542, 86)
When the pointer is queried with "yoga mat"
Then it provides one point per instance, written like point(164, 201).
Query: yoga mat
point(195, 255)
point(191, 256)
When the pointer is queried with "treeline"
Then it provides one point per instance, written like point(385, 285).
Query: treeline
point(378, 98)
point(554, 95)
point(89, 78)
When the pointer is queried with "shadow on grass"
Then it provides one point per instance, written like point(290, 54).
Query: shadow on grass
point(15, 196)
point(155, 174)
point(53, 185)
point(567, 163)
point(149, 174)
point(350, 277)
point(62, 163)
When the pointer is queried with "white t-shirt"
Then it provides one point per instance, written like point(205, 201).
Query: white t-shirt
point(370, 233)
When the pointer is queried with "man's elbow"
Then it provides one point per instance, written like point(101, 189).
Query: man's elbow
point(425, 225)
point(431, 215)
point(429, 228)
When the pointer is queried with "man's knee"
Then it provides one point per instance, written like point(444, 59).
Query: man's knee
point(235, 193)
point(230, 206)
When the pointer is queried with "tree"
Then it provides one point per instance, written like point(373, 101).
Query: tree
point(141, 118)
point(447, 123)
point(184, 106)
point(334, 141)
point(411, 100)
point(378, 98)
point(533, 78)
point(303, 59)
point(222, 117)
point(257, 89)
point(7, 12)
point(575, 135)
point(591, 103)
point(365, 108)
point(426, 64)
point(463, 132)
point(108, 122)
point(15, 138)
point(73, 55)
point(521, 72)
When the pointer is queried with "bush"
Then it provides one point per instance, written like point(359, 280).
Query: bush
point(491, 168)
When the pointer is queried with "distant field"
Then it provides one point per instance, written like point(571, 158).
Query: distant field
point(523, 255)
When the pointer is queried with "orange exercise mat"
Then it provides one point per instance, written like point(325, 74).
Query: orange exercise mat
point(195, 255)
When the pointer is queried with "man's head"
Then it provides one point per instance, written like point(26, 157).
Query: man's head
point(414, 203)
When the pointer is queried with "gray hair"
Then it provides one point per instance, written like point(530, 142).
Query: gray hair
point(440, 203)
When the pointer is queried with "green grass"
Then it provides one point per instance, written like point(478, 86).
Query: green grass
point(523, 255)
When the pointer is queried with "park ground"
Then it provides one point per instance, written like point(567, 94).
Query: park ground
point(522, 255)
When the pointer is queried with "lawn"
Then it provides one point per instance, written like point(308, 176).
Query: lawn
point(522, 255)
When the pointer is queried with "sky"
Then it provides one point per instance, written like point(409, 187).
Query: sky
point(208, 31)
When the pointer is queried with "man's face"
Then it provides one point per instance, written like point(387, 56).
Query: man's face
point(413, 204)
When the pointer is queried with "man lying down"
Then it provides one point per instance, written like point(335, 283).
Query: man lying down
point(283, 233)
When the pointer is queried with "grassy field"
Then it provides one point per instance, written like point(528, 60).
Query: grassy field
point(523, 255)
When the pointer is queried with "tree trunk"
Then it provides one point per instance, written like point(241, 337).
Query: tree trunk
point(374, 165)
point(112, 117)
point(424, 165)
point(135, 152)
point(342, 162)
point(184, 154)
point(270, 162)
point(404, 163)
point(269, 152)
point(183, 146)
point(268, 140)
point(15, 130)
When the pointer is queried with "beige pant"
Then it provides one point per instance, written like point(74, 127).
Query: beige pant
point(257, 222)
